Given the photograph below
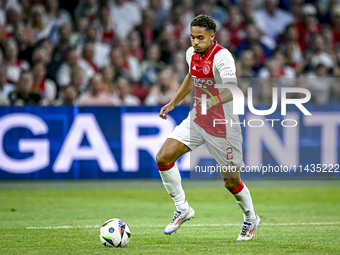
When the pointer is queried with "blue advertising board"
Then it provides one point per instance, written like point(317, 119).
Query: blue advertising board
point(122, 142)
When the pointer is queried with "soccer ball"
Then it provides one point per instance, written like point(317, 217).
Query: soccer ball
point(115, 233)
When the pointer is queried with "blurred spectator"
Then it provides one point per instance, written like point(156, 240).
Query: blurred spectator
point(188, 12)
point(133, 41)
point(96, 96)
point(77, 37)
point(335, 25)
point(235, 26)
point(5, 88)
point(156, 14)
point(217, 12)
point(88, 53)
point(244, 84)
point(178, 26)
point(127, 66)
point(247, 10)
point(245, 65)
point(265, 93)
point(164, 91)
point(292, 56)
point(146, 28)
point(295, 8)
point(260, 56)
point(335, 92)
point(275, 69)
point(77, 79)
point(291, 48)
point(86, 8)
point(44, 52)
point(101, 51)
point(2, 14)
point(336, 57)
point(328, 37)
point(56, 15)
point(73, 62)
point(253, 37)
point(140, 91)
point(14, 65)
point(70, 96)
point(41, 27)
point(23, 94)
point(25, 10)
point(326, 8)
point(151, 66)
point(166, 43)
point(272, 20)
point(307, 25)
point(180, 66)
point(14, 22)
point(223, 38)
point(25, 51)
point(2, 59)
point(46, 87)
point(319, 83)
point(127, 11)
point(63, 45)
point(108, 74)
point(254, 4)
point(123, 94)
point(319, 55)
point(135, 44)
point(105, 26)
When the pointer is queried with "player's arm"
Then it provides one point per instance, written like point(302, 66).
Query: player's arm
point(183, 91)
point(226, 96)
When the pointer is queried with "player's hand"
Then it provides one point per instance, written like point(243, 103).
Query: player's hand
point(210, 102)
point(165, 109)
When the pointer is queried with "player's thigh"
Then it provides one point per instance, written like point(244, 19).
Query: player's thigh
point(188, 133)
point(184, 138)
point(171, 150)
point(228, 154)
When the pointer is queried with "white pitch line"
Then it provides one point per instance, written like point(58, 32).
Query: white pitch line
point(197, 225)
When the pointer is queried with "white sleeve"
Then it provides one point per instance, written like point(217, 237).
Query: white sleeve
point(25, 65)
point(224, 64)
point(63, 75)
point(134, 67)
point(50, 90)
point(151, 99)
point(189, 54)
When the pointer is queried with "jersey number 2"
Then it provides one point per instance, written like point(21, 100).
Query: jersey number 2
point(229, 152)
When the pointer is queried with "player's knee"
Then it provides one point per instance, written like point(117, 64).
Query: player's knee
point(231, 183)
point(164, 158)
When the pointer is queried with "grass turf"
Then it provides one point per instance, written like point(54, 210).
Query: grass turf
point(147, 208)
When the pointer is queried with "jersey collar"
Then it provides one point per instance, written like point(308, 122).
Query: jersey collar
point(207, 56)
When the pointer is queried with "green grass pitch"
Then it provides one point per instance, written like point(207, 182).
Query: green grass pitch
point(298, 217)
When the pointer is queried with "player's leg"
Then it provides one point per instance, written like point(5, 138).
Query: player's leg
point(229, 153)
point(183, 139)
point(240, 191)
point(165, 159)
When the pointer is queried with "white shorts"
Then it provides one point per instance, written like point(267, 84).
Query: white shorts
point(226, 152)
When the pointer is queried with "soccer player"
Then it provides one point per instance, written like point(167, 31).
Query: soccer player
point(209, 64)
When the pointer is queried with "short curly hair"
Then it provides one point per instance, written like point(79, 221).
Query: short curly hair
point(204, 21)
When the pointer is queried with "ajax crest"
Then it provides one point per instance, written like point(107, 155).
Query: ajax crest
point(206, 69)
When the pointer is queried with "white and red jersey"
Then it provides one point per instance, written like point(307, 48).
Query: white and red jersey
point(13, 70)
point(215, 67)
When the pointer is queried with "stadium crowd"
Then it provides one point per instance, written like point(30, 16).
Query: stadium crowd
point(132, 52)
